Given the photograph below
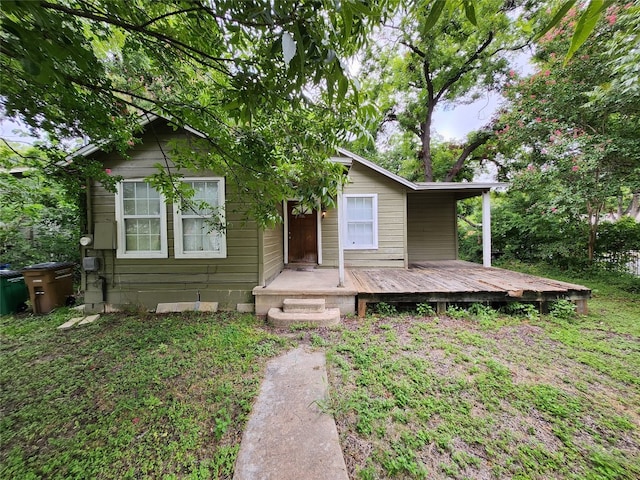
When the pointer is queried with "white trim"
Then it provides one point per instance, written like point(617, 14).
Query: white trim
point(178, 237)
point(144, 120)
point(372, 246)
point(319, 233)
point(285, 208)
point(121, 251)
point(377, 168)
point(340, 245)
point(475, 188)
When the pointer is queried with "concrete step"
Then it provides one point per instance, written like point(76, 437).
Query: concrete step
point(303, 305)
point(280, 319)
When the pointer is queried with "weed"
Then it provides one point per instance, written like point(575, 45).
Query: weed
point(317, 340)
point(563, 309)
point(425, 310)
point(483, 313)
point(457, 312)
point(522, 310)
point(386, 310)
point(297, 327)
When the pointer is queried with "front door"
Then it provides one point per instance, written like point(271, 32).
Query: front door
point(303, 235)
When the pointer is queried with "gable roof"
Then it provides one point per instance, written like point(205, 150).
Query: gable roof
point(144, 120)
point(461, 189)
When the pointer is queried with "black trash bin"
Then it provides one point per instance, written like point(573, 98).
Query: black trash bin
point(50, 285)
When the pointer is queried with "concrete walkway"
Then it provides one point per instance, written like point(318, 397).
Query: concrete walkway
point(287, 436)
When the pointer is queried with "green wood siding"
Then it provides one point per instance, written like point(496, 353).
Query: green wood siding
point(273, 251)
point(391, 223)
point(432, 227)
point(147, 282)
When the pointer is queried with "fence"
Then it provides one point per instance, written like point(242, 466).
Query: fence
point(621, 261)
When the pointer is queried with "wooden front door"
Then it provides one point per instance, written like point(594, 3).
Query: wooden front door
point(303, 235)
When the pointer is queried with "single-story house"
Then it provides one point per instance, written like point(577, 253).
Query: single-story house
point(140, 251)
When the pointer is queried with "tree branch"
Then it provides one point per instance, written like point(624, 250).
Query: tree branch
point(414, 49)
point(469, 222)
point(480, 140)
point(134, 28)
point(466, 67)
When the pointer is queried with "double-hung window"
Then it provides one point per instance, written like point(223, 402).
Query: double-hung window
point(141, 215)
point(199, 226)
point(361, 222)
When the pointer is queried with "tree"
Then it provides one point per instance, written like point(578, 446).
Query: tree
point(255, 77)
point(583, 155)
point(257, 73)
point(38, 213)
point(435, 55)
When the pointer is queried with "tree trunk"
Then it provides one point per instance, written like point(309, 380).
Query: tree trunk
point(593, 214)
point(634, 207)
point(425, 147)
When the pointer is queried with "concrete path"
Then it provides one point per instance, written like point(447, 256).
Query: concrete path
point(287, 436)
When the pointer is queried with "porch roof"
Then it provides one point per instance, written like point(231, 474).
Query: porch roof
point(460, 189)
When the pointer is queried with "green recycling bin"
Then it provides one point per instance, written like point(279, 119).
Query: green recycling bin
point(13, 291)
point(50, 285)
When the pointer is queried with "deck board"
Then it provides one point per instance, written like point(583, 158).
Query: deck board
point(453, 277)
point(451, 281)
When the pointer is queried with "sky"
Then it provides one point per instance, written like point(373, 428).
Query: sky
point(455, 123)
point(452, 124)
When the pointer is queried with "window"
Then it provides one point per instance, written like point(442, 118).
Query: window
point(361, 222)
point(199, 228)
point(142, 223)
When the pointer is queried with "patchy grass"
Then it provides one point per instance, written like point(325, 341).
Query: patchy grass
point(472, 394)
point(482, 395)
point(149, 396)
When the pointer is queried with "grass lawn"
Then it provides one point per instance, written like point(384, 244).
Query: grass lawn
point(484, 396)
point(127, 397)
point(465, 395)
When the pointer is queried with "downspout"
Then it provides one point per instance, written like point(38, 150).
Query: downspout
point(486, 228)
point(89, 207)
point(89, 218)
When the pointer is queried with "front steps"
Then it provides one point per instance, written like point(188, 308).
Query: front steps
point(310, 311)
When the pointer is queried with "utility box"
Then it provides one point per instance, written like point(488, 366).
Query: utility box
point(50, 285)
point(13, 291)
point(91, 264)
point(104, 236)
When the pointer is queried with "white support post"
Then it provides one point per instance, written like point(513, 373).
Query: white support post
point(340, 246)
point(285, 218)
point(486, 229)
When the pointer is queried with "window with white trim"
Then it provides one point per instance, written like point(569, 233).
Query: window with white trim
point(198, 226)
point(142, 221)
point(361, 222)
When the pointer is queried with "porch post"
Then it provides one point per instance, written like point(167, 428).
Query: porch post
point(340, 247)
point(486, 228)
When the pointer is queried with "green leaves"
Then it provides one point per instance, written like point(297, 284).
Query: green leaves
point(586, 23)
point(555, 20)
point(434, 15)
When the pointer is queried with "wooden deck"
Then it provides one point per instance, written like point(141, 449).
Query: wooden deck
point(446, 282)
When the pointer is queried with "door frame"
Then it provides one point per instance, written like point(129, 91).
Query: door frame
point(285, 209)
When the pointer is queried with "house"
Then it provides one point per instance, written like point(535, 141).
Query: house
point(141, 251)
